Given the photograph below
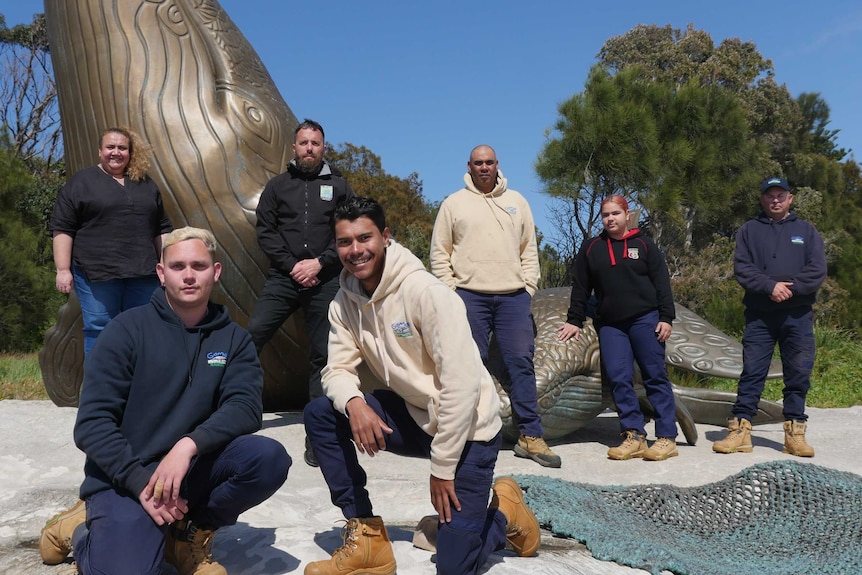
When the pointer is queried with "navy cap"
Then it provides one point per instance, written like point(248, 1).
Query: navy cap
point(774, 183)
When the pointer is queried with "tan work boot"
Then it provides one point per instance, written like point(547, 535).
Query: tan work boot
point(55, 542)
point(662, 448)
point(188, 548)
point(634, 445)
point(794, 439)
point(536, 449)
point(366, 551)
point(738, 437)
point(522, 528)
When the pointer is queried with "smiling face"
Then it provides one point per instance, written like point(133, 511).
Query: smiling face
point(776, 202)
point(188, 273)
point(114, 153)
point(483, 168)
point(308, 149)
point(362, 250)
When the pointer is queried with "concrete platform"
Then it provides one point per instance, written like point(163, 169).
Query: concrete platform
point(40, 470)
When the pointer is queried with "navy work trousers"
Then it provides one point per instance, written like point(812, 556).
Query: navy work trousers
point(621, 345)
point(122, 538)
point(793, 331)
point(464, 544)
point(509, 317)
point(279, 299)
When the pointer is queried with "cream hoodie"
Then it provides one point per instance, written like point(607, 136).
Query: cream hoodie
point(414, 336)
point(486, 242)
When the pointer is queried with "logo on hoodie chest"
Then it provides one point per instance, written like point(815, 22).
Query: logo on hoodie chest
point(402, 329)
point(217, 358)
point(634, 254)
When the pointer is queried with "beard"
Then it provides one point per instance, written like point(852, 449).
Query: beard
point(309, 166)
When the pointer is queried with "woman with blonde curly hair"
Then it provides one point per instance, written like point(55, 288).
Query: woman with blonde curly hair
point(108, 224)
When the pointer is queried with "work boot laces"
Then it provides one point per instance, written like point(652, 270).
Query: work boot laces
point(514, 530)
point(201, 544)
point(662, 443)
point(632, 439)
point(536, 444)
point(350, 537)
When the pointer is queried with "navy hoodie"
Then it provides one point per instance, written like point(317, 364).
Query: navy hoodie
point(629, 276)
point(767, 252)
point(149, 381)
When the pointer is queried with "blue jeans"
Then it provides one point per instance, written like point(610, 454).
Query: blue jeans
point(793, 330)
point(621, 345)
point(510, 318)
point(103, 300)
point(279, 299)
point(122, 538)
point(464, 544)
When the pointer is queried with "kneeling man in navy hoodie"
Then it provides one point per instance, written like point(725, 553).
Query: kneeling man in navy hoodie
point(170, 402)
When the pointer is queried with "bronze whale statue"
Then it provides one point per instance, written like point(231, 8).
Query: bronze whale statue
point(569, 378)
point(180, 73)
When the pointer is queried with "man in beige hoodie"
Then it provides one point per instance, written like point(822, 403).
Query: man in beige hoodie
point(438, 402)
point(484, 248)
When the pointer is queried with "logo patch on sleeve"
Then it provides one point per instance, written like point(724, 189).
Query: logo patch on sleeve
point(402, 329)
point(217, 358)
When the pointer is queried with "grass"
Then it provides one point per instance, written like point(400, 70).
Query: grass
point(20, 377)
point(835, 382)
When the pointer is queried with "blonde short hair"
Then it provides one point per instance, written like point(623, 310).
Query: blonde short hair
point(190, 233)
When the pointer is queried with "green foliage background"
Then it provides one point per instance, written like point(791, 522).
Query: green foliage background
point(681, 126)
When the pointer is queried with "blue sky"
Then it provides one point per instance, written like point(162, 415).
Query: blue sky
point(421, 83)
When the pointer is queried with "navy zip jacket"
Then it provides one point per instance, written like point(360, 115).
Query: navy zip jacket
point(768, 252)
point(149, 381)
point(629, 276)
point(294, 216)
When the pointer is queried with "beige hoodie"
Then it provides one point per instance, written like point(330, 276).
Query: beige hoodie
point(486, 242)
point(414, 336)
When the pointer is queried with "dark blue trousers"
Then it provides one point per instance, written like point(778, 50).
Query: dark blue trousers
point(793, 331)
point(510, 318)
point(621, 345)
point(279, 299)
point(464, 544)
point(122, 538)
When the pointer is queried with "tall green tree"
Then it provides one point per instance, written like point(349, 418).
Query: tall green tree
point(680, 152)
point(26, 277)
point(605, 141)
point(409, 216)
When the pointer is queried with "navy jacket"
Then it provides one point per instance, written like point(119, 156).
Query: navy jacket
point(629, 277)
point(149, 381)
point(767, 252)
point(294, 216)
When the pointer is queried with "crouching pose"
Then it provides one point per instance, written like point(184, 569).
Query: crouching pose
point(170, 400)
point(440, 402)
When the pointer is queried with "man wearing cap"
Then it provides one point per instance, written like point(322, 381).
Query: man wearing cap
point(780, 262)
